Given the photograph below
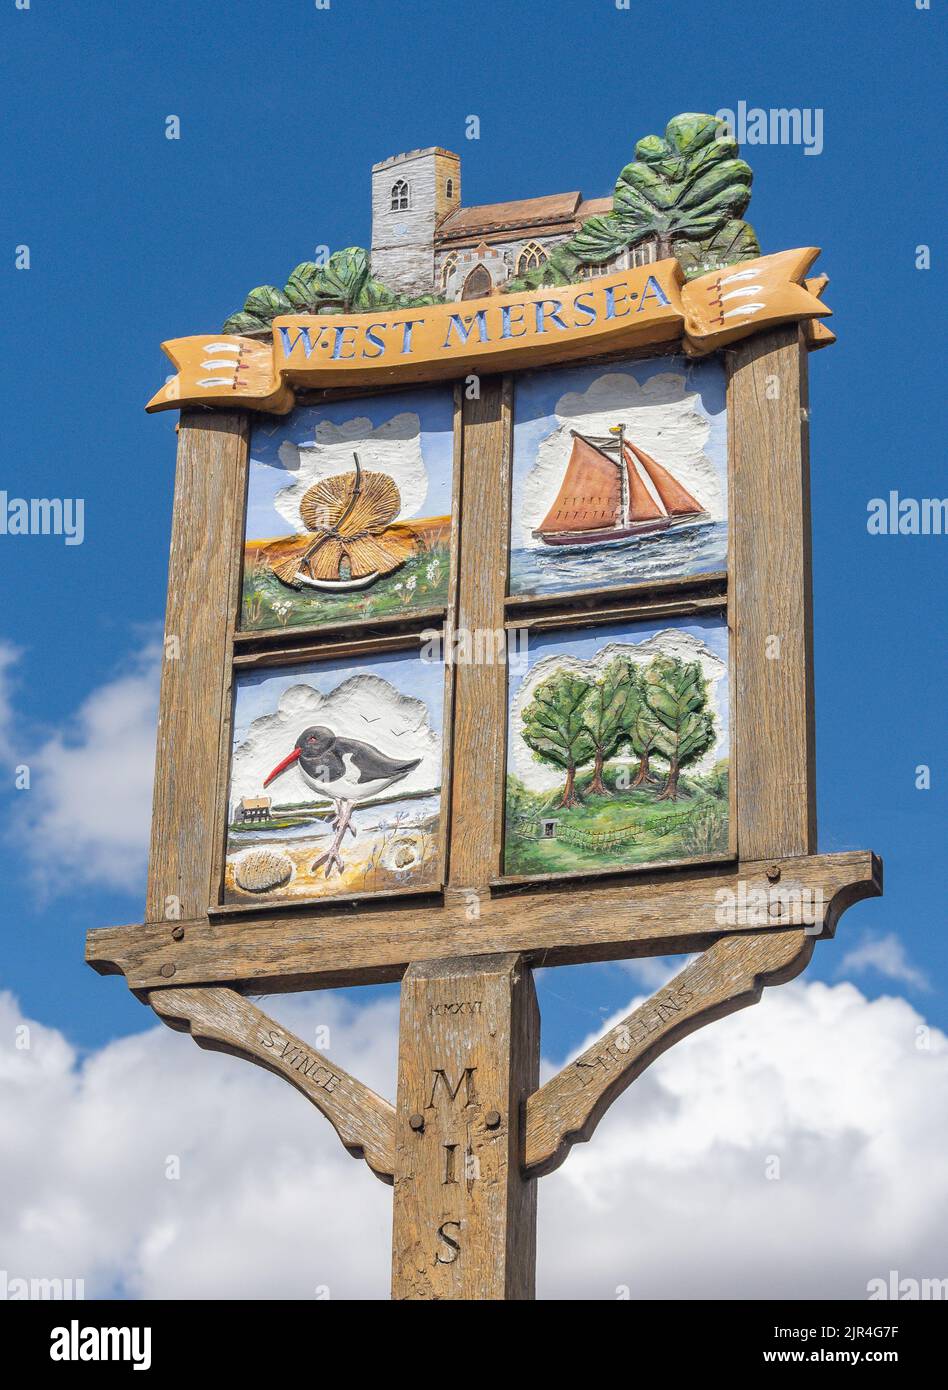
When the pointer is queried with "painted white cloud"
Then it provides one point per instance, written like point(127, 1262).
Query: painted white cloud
point(669, 642)
point(671, 1198)
point(85, 818)
point(662, 417)
point(394, 447)
point(365, 707)
point(884, 955)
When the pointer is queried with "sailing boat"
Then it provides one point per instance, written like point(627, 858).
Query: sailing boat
point(603, 496)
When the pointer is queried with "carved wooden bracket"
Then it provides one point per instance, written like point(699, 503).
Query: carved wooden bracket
point(728, 976)
point(222, 1020)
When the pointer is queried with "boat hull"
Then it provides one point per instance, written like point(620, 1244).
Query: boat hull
point(338, 585)
point(608, 536)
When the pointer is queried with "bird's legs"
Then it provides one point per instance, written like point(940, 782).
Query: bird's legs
point(335, 823)
point(332, 858)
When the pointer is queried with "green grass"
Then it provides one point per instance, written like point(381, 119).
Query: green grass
point(703, 830)
point(421, 582)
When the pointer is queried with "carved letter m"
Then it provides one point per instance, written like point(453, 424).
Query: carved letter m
point(466, 1079)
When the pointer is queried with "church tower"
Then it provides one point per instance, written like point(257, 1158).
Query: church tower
point(411, 194)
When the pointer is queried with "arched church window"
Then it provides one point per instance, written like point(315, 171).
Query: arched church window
point(448, 266)
point(449, 188)
point(401, 196)
point(531, 257)
point(478, 284)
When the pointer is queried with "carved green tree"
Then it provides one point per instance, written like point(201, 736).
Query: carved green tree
point(640, 728)
point(604, 712)
point(686, 192)
point(554, 729)
point(344, 285)
point(676, 692)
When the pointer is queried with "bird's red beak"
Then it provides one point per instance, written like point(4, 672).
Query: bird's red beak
point(281, 767)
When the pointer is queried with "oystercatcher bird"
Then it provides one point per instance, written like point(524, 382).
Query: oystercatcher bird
point(347, 772)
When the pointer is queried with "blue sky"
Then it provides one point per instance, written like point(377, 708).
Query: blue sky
point(134, 238)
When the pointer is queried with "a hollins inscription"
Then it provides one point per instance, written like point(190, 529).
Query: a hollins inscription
point(649, 1019)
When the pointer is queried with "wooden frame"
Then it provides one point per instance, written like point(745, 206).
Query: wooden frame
point(468, 1089)
point(710, 674)
point(766, 595)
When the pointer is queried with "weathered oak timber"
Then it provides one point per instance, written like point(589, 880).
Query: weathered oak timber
point(464, 1213)
point(654, 914)
point(726, 977)
point(770, 596)
point(222, 1020)
point(480, 690)
point(186, 827)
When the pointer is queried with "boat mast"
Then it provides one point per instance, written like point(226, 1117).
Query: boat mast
point(619, 430)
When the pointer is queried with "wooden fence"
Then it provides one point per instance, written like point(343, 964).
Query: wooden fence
point(528, 828)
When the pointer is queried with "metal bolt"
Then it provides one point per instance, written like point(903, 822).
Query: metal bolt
point(492, 1119)
point(167, 970)
point(773, 873)
point(416, 1122)
point(177, 933)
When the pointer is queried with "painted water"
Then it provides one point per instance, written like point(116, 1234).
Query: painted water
point(688, 550)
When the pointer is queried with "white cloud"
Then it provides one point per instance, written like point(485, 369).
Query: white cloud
point(654, 972)
point(87, 813)
point(663, 417)
point(669, 642)
point(393, 448)
point(9, 655)
point(670, 1198)
point(886, 956)
point(364, 706)
point(268, 1203)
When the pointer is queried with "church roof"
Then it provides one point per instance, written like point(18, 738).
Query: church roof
point(556, 213)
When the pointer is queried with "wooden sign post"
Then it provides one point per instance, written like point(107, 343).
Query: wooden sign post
point(487, 648)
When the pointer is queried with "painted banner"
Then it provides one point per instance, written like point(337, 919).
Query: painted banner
point(629, 309)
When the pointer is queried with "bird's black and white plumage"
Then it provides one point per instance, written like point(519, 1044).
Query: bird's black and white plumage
point(345, 770)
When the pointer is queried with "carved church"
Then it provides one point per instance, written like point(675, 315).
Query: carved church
point(425, 242)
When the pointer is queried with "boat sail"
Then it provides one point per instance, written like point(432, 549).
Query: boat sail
point(603, 496)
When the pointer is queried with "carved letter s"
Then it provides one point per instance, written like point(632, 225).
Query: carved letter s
point(453, 1245)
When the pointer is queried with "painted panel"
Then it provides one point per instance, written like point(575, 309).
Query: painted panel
point(618, 747)
point(335, 780)
point(619, 475)
point(349, 511)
